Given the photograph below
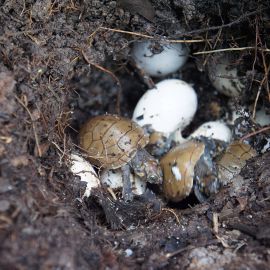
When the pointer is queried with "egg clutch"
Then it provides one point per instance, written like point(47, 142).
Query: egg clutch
point(150, 147)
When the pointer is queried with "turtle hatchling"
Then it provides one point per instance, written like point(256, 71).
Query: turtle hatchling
point(112, 142)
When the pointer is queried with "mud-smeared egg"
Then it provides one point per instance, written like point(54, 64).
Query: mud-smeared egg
point(159, 59)
point(223, 72)
point(213, 130)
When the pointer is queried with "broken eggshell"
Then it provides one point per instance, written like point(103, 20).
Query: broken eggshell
point(82, 168)
point(114, 180)
point(178, 169)
point(169, 106)
point(224, 75)
point(157, 59)
point(213, 130)
point(233, 160)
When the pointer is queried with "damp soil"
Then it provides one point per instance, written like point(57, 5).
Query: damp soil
point(62, 62)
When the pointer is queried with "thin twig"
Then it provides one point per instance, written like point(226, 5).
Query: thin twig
point(171, 211)
point(266, 73)
point(253, 69)
point(232, 49)
point(255, 133)
point(33, 125)
point(256, 101)
point(151, 37)
point(240, 19)
point(119, 92)
point(172, 254)
point(215, 223)
point(197, 31)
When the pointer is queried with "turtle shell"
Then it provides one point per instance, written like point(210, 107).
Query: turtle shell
point(178, 169)
point(111, 141)
point(233, 160)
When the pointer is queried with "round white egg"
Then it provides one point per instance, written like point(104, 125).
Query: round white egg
point(159, 60)
point(114, 179)
point(81, 167)
point(215, 130)
point(223, 74)
point(169, 106)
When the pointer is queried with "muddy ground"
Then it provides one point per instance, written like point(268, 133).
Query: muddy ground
point(62, 62)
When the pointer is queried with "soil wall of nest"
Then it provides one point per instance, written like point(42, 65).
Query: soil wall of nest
point(64, 62)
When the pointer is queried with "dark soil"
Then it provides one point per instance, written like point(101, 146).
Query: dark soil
point(58, 67)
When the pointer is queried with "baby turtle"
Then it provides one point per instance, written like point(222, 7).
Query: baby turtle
point(113, 142)
point(178, 169)
point(233, 160)
point(188, 167)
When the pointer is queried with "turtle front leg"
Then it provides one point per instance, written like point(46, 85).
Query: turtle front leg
point(127, 187)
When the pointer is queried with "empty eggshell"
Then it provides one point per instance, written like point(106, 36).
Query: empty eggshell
point(169, 106)
point(81, 167)
point(214, 129)
point(114, 180)
point(158, 59)
point(223, 73)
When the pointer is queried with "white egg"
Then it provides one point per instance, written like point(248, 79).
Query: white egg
point(213, 129)
point(262, 118)
point(113, 179)
point(81, 167)
point(169, 106)
point(158, 59)
point(223, 74)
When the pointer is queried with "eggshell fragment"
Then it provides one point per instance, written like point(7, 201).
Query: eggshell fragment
point(81, 167)
point(158, 59)
point(214, 129)
point(223, 73)
point(114, 180)
point(169, 106)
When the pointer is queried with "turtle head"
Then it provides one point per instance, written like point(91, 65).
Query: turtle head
point(146, 167)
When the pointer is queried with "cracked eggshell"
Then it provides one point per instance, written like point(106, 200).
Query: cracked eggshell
point(81, 167)
point(114, 180)
point(224, 75)
point(169, 106)
point(214, 129)
point(159, 60)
